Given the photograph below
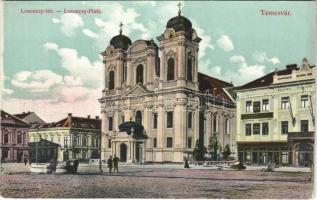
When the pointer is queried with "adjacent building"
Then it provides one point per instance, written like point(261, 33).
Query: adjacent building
point(31, 117)
point(275, 117)
point(14, 138)
point(156, 105)
point(70, 138)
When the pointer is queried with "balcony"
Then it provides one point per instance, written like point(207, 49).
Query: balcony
point(300, 135)
point(257, 115)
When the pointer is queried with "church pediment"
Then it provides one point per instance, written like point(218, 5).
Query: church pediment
point(138, 90)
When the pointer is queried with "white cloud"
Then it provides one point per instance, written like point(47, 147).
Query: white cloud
point(90, 33)
point(243, 72)
point(7, 91)
point(216, 70)
point(261, 57)
point(236, 59)
point(40, 80)
point(69, 23)
point(72, 81)
point(50, 45)
point(90, 74)
point(205, 43)
point(225, 43)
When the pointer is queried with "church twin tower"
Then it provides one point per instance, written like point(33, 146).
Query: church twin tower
point(150, 107)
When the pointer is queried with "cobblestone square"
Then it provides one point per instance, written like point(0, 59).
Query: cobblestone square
point(156, 182)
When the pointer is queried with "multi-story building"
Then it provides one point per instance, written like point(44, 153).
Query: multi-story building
point(75, 137)
point(158, 93)
point(14, 138)
point(275, 117)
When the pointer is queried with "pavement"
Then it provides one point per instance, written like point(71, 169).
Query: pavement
point(16, 168)
point(150, 181)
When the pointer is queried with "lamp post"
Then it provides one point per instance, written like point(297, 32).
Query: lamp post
point(100, 164)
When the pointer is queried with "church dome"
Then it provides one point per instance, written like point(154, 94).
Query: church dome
point(120, 41)
point(180, 23)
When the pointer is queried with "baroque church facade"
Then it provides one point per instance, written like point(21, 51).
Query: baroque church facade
point(156, 105)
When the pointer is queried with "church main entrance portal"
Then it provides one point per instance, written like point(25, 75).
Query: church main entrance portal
point(123, 152)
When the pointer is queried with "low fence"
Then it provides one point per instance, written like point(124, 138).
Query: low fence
point(213, 163)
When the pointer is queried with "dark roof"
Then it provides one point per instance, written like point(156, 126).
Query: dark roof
point(74, 122)
point(11, 120)
point(208, 82)
point(30, 117)
point(180, 23)
point(267, 79)
point(120, 42)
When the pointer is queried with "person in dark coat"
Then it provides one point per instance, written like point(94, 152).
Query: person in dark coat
point(109, 162)
point(116, 164)
point(76, 163)
point(25, 160)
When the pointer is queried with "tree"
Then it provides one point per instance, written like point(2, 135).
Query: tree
point(213, 147)
point(226, 152)
point(199, 151)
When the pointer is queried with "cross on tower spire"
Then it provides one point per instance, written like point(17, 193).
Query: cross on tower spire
point(120, 28)
point(179, 8)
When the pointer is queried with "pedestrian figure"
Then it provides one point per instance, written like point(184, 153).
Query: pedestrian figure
point(116, 163)
point(109, 162)
point(186, 163)
point(53, 166)
point(25, 160)
point(75, 165)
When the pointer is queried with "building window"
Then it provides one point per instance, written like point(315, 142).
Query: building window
point(138, 117)
point(189, 142)
point(285, 103)
point(154, 142)
point(19, 138)
point(110, 123)
point(170, 69)
point(256, 128)
point(304, 126)
point(190, 119)
point(248, 106)
point(284, 127)
point(285, 157)
point(6, 137)
point(154, 120)
point(227, 126)
point(248, 130)
point(169, 119)
point(111, 80)
point(139, 74)
point(65, 141)
point(189, 69)
point(109, 143)
point(93, 142)
point(85, 141)
point(256, 106)
point(304, 101)
point(265, 105)
point(265, 128)
point(215, 124)
point(169, 142)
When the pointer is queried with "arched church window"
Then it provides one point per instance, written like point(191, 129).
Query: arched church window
point(139, 74)
point(189, 69)
point(214, 124)
point(170, 69)
point(138, 117)
point(111, 80)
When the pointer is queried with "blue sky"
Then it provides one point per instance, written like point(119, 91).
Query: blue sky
point(52, 64)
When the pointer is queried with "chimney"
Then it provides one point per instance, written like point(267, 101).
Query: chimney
point(88, 116)
point(97, 117)
point(69, 114)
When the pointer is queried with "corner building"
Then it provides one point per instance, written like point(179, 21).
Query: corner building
point(159, 89)
point(276, 117)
